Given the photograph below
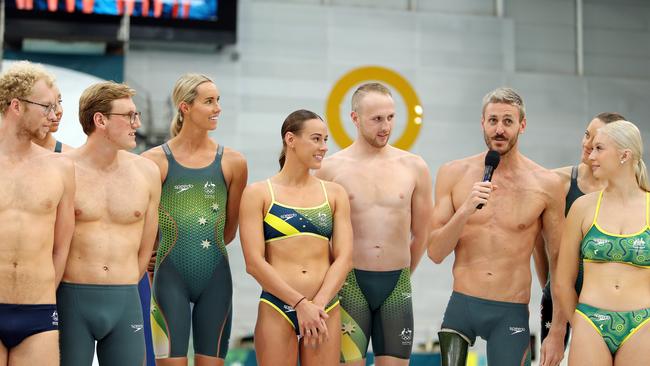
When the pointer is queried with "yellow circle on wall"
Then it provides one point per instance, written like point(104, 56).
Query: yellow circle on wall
point(371, 73)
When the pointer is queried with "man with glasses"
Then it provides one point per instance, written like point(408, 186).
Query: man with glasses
point(36, 218)
point(116, 212)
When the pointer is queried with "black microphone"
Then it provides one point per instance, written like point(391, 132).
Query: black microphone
point(492, 159)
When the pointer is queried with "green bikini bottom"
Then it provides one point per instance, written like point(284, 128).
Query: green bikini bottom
point(616, 327)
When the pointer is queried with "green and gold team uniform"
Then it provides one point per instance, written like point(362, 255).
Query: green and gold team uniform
point(599, 246)
point(192, 263)
point(282, 222)
point(377, 306)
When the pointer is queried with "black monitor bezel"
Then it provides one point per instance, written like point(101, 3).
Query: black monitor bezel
point(63, 26)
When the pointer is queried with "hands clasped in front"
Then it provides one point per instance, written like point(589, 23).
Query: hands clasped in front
point(311, 319)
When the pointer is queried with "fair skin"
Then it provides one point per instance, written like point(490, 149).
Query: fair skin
point(492, 246)
point(193, 148)
point(587, 184)
point(607, 285)
point(36, 219)
point(49, 142)
point(116, 203)
point(301, 266)
point(382, 182)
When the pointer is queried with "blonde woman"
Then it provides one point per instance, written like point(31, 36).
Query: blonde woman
point(610, 231)
point(202, 186)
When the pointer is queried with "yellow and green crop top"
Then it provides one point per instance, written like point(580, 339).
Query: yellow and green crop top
point(282, 221)
point(600, 246)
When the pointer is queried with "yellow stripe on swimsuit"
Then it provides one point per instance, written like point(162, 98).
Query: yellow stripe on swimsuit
point(282, 221)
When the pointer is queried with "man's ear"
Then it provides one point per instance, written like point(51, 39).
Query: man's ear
point(99, 120)
point(14, 105)
point(355, 118)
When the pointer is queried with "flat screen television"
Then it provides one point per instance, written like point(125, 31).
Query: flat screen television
point(194, 21)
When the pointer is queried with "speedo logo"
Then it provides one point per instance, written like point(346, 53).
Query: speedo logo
point(288, 308)
point(602, 317)
point(136, 327)
point(183, 187)
point(638, 243)
point(287, 217)
point(601, 241)
point(516, 330)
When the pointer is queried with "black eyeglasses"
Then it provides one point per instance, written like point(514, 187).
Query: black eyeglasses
point(133, 116)
point(48, 108)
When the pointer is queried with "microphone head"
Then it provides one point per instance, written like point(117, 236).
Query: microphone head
point(492, 159)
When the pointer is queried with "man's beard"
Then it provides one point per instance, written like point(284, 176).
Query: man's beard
point(373, 141)
point(36, 133)
point(510, 143)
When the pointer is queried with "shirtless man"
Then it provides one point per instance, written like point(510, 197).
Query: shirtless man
point(116, 209)
point(390, 197)
point(36, 218)
point(493, 246)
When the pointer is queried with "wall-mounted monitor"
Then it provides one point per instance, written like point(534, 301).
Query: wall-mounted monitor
point(202, 21)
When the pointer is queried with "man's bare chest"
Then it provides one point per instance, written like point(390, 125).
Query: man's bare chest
point(378, 187)
point(120, 198)
point(33, 187)
point(513, 204)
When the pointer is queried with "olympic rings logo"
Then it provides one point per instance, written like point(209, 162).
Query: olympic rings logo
point(390, 77)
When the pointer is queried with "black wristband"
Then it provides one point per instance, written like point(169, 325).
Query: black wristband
point(299, 301)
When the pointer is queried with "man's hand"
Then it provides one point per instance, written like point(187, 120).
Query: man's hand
point(480, 195)
point(552, 351)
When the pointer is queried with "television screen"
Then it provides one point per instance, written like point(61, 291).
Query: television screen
point(167, 9)
point(203, 21)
